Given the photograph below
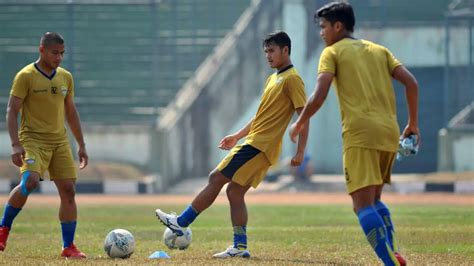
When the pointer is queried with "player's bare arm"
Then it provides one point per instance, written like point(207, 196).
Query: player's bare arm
point(315, 102)
point(302, 140)
point(72, 117)
point(229, 141)
point(13, 108)
point(404, 76)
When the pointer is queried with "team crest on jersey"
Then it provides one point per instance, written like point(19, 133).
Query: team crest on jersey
point(279, 80)
point(64, 90)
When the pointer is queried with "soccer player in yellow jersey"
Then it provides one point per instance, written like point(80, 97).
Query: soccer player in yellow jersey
point(43, 93)
point(245, 165)
point(363, 72)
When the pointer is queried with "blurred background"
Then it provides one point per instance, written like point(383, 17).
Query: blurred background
point(158, 83)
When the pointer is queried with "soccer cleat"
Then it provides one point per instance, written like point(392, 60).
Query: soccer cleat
point(170, 221)
point(232, 252)
point(72, 252)
point(400, 259)
point(4, 231)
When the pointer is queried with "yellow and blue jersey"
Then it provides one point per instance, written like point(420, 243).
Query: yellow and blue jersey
point(42, 112)
point(363, 81)
point(283, 93)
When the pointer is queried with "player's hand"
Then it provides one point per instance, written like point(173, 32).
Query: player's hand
point(297, 159)
point(412, 130)
point(18, 154)
point(83, 157)
point(295, 130)
point(228, 142)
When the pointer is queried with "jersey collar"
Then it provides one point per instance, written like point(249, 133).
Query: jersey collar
point(285, 69)
point(44, 74)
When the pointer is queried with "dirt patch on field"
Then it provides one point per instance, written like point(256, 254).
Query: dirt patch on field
point(258, 198)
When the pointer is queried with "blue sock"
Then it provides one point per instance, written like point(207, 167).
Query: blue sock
point(68, 229)
point(187, 216)
point(240, 237)
point(375, 232)
point(383, 211)
point(9, 213)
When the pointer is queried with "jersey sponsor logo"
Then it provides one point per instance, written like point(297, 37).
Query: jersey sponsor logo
point(54, 90)
point(39, 90)
point(30, 161)
point(64, 90)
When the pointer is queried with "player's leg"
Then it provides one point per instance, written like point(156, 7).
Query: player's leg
point(384, 213)
point(362, 178)
point(16, 201)
point(223, 173)
point(63, 173)
point(202, 201)
point(67, 209)
point(210, 192)
point(248, 175)
point(68, 217)
point(30, 178)
point(386, 164)
point(238, 213)
point(372, 224)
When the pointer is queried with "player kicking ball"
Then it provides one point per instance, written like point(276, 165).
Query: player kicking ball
point(363, 72)
point(44, 94)
point(246, 165)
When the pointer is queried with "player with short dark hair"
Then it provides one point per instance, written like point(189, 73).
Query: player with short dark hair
point(246, 165)
point(363, 72)
point(43, 93)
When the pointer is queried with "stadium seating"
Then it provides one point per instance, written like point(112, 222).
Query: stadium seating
point(128, 60)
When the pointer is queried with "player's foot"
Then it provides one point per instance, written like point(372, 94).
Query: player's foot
point(400, 259)
point(231, 252)
point(72, 252)
point(4, 231)
point(170, 221)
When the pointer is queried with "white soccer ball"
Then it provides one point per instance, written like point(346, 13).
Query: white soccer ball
point(174, 241)
point(119, 243)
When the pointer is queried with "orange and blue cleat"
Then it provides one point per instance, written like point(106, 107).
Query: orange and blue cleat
point(4, 231)
point(72, 252)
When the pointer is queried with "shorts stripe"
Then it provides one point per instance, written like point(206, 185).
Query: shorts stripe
point(245, 154)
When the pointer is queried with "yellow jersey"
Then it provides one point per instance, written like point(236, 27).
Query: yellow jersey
point(283, 93)
point(363, 82)
point(42, 112)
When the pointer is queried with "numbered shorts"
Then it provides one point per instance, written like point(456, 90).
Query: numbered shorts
point(366, 167)
point(245, 165)
point(57, 159)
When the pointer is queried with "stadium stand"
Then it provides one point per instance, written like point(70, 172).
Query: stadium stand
point(128, 60)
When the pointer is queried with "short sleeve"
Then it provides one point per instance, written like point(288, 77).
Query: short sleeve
point(392, 61)
point(20, 85)
point(327, 61)
point(70, 91)
point(295, 90)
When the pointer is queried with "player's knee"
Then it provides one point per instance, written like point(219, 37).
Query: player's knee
point(216, 177)
point(233, 193)
point(29, 182)
point(68, 191)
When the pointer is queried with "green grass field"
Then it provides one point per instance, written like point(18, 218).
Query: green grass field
point(279, 234)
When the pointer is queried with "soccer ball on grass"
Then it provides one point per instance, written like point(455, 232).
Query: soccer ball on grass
point(174, 241)
point(119, 243)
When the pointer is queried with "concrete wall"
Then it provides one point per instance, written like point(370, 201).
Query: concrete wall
point(211, 102)
point(456, 150)
point(420, 48)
